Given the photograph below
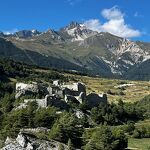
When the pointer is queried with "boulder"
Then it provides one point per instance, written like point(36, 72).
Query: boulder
point(8, 140)
point(79, 114)
point(22, 140)
point(29, 146)
point(29, 142)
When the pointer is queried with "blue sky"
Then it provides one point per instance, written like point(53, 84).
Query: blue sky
point(127, 18)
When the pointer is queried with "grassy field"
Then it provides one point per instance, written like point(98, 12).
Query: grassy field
point(143, 123)
point(135, 92)
point(132, 93)
point(139, 144)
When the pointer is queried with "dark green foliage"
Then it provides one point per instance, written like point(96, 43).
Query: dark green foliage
point(7, 97)
point(114, 114)
point(28, 117)
point(28, 72)
point(45, 117)
point(70, 145)
point(5, 88)
point(102, 138)
point(120, 139)
point(84, 107)
point(7, 102)
point(130, 128)
point(144, 106)
point(142, 132)
point(65, 128)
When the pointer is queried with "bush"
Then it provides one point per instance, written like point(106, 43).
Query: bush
point(102, 138)
point(136, 134)
point(65, 128)
point(45, 117)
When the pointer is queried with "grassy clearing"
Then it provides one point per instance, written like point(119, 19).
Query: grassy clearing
point(139, 144)
point(143, 123)
point(133, 93)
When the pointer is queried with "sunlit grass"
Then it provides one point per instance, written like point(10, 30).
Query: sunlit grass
point(139, 144)
point(101, 85)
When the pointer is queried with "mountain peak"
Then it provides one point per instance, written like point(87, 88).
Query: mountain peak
point(73, 24)
point(26, 33)
point(77, 31)
point(35, 31)
point(1, 34)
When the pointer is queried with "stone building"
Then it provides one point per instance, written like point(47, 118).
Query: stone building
point(59, 95)
point(53, 89)
point(75, 92)
point(24, 89)
point(94, 99)
point(49, 100)
point(56, 82)
point(76, 88)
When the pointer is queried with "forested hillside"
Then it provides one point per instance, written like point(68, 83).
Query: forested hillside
point(105, 127)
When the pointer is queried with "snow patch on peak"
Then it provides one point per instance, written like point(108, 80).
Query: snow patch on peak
point(78, 32)
point(83, 25)
point(34, 31)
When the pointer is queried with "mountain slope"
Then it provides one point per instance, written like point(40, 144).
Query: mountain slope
point(75, 47)
point(9, 50)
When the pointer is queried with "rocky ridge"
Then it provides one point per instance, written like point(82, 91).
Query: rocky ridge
point(81, 49)
point(28, 141)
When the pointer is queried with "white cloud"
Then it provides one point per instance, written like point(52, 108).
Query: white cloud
point(112, 13)
point(10, 31)
point(93, 24)
point(136, 14)
point(115, 24)
point(73, 2)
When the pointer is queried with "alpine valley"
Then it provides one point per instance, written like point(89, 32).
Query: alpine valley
point(79, 49)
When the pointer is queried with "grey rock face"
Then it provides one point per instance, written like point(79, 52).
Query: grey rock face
point(22, 140)
point(28, 89)
point(77, 31)
point(94, 99)
point(26, 33)
point(27, 142)
point(24, 89)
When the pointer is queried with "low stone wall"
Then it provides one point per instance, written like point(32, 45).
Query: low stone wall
point(35, 130)
point(40, 102)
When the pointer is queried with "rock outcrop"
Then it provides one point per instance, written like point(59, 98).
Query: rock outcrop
point(30, 142)
point(29, 89)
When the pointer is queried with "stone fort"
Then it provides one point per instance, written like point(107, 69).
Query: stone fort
point(59, 95)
